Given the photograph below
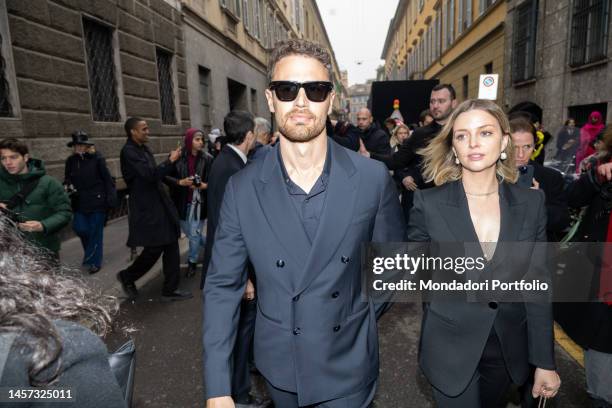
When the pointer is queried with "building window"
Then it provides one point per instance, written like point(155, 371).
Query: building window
point(6, 110)
point(254, 101)
point(237, 95)
point(204, 75)
point(464, 15)
point(421, 4)
point(589, 31)
point(233, 6)
point(466, 83)
point(523, 59)
point(450, 29)
point(270, 24)
point(488, 68)
point(297, 14)
point(166, 87)
point(485, 4)
point(257, 18)
point(101, 72)
point(246, 20)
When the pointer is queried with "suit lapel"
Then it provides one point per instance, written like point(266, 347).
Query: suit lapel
point(279, 211)
point(512, 218)
point(336, 217)
point(456, 214)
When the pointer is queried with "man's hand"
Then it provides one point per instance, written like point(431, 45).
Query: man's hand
point(535, 185)
point(249, 292)
point(3, 206)
point(605, 170)
point(31, 226)
point(409, 183)
point(362, 149)
point(546, 383)
point(186, 182)
point(175, 155)
point(220, 402)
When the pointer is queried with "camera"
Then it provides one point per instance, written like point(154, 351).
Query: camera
point(70, 189)
point(197, 180)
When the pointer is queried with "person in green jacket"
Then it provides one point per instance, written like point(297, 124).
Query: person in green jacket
point(46, 209)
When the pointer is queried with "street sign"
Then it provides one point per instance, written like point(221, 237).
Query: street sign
point(487, 86)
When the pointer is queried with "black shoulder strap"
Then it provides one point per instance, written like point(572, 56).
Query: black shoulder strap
point(22, 194)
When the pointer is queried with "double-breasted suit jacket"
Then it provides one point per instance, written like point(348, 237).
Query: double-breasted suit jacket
point(314, 334)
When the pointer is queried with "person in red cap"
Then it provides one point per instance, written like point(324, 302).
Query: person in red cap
point(189, 182)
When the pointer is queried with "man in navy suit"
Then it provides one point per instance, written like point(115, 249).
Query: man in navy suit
point(300, 215)
point(238, 126)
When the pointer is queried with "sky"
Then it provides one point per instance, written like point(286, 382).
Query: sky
point(357, 30)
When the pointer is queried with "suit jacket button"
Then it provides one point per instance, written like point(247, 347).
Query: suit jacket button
point(335, 294)
point(296, 298)
point(296, 331)
point(280, 263)
point(493, 305)
point(345, 259)
point(337, 328)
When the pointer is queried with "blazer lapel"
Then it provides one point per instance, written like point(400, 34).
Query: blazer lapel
point(456, 214)
point(512, 218)
point(280, 212)
point(336, 217)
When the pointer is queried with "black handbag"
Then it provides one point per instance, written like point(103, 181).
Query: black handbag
point(123, 365)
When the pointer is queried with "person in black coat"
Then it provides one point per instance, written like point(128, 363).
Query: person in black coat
point(548, 180)
point(153, 219)
point(374, 138)
point(188, 183)
point(589, 324)
point(238, 127)
point(93, 194)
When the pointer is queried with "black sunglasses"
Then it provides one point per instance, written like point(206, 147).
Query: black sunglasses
point(287, 91)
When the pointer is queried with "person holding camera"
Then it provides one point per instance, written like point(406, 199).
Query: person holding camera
point(188, 183)
point(92, 189)
point(33, 199)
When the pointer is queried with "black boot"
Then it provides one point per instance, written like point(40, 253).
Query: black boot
point(191, 269)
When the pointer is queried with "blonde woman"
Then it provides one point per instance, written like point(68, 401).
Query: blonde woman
point(400, 133)
point(471, 351)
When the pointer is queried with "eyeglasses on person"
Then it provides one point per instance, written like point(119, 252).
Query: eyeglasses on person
point(287, 91)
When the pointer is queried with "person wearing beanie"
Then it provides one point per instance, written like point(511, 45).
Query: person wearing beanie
point(188, 183)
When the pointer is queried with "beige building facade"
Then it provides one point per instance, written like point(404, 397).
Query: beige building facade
point(227, 44)
point(454, 41)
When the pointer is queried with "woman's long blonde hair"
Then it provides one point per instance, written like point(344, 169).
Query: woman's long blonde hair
point(439, 160)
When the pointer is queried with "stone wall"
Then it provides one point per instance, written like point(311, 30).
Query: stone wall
point(48, 50)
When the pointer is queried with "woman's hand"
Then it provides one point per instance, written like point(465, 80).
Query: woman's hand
point(546, 383)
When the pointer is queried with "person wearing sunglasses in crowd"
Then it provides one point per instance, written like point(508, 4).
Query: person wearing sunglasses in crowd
point(300, 215)
point(470, 351)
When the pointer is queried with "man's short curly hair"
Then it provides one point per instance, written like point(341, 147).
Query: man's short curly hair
point(299, 47)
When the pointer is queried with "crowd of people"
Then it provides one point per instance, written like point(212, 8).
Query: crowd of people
point(280, 218)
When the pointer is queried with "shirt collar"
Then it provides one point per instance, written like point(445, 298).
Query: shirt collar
point(326, 167)
point(238, 152)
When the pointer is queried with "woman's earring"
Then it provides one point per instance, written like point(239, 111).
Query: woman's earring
point(457, 160)
point(503, 156)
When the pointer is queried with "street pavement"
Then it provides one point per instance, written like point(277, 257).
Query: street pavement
point(169, 345)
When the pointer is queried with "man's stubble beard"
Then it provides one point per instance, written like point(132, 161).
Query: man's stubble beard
point(301, 133)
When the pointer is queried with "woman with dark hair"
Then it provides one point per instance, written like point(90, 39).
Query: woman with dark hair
point(50, 328)
point(470, 351)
